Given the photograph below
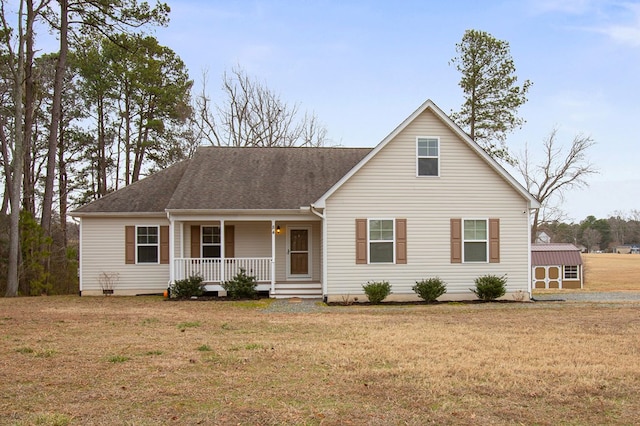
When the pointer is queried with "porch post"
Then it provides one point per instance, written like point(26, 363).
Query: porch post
point(222, 255)
point(273, 257)
point(172, 242)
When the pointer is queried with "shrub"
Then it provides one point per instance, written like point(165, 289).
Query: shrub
point(490, 287)
point(242, 286)
point(189, 287)
point(429, 290)
point(377, 291)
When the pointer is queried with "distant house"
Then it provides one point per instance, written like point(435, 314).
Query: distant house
point(628, 249)
point(556, 266)
point(543, 237)
point(426, 202)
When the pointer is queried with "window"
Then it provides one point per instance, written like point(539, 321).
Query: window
point(381, 241)
point(211, 241)
point(571, 272)
point(475, 240)
point(147, 244)
point(428, 156)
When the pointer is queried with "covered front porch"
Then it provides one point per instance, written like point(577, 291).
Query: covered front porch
point(284, 255)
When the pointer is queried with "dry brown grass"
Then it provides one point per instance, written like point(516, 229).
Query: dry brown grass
point(144, 361)
point(612, 272)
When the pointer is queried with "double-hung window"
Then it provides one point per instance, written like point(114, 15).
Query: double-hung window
point(147, 244)
point(211, 241)
point(381, 240)
point(475, 240)
point(428, 156)
point(571, 272)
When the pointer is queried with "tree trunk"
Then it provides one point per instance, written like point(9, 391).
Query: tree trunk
point(56, 109)
point(62, 185)
point(18, 164)
point(28, 200)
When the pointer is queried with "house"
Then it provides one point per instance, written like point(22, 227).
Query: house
point(557, 265)
point(628, 249)
point(427, 201)
point(543, 237)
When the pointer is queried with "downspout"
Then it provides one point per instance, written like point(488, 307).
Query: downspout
point(530, 271)
point(323, 218)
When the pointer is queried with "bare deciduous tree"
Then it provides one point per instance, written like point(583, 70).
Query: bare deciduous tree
point(557, 172)
point(253, 115)
point(591, 237)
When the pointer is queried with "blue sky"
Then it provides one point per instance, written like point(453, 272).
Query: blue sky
point(364, 66)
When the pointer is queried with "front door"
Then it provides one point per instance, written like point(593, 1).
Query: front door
point(299, 252)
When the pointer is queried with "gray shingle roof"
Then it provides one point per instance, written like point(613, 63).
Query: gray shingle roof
point(236, 178)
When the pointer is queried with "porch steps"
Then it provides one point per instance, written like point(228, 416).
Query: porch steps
point(304, 290)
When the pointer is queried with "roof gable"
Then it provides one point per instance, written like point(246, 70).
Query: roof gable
point(429, 105)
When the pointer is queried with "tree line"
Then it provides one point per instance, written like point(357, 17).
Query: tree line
point(619, 229)
point(113, 105)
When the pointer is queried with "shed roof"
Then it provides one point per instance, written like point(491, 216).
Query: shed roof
point(555, 254)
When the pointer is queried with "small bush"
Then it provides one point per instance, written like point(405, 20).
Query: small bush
point(242, 286)
point(377, 291)
point(189, 287)
point(490, 287)
point(429, 290)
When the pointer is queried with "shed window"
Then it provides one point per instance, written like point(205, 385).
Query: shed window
point(571, 272)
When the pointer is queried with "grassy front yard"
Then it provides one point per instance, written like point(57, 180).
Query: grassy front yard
point(144, 361)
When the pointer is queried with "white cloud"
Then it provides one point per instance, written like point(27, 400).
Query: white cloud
point(628, 34)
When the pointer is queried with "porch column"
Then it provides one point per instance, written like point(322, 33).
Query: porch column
point(172, 242)
point(222, 262)
point(273, 256)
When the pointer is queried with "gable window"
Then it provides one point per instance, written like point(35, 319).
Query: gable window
point(571, 272)
point(147, 244)
point(475, 240)
point(211, 241)
point(428, 158)
point(381, 241)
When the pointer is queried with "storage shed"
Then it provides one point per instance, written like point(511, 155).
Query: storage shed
point(556, 265)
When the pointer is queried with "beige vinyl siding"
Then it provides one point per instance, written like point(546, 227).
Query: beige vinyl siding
point(103, 250)
point(387, 187)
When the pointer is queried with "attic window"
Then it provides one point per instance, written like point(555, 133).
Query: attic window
point(428, 156)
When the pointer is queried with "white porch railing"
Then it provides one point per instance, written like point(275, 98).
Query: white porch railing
point(218, 270)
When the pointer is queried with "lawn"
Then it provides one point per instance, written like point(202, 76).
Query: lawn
point(611, 272)
point(145, 361)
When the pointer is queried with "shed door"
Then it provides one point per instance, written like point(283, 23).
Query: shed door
point(547, 277)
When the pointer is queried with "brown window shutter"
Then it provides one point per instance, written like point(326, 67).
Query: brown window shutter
point(195, 241)
point(164, 245)
point(361, 241)
point(401, 241)
point(229, 241)
point(129, 245)
point(494, 240)
point(456, 240)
